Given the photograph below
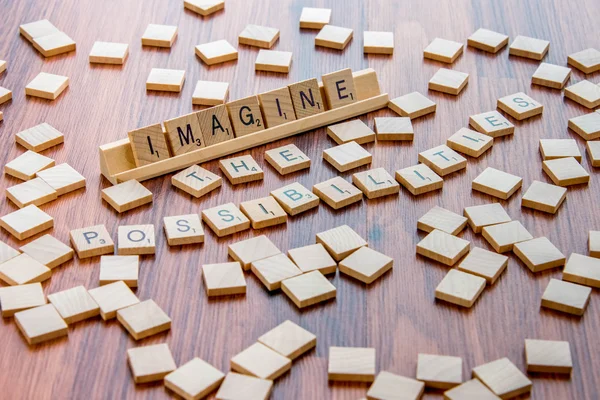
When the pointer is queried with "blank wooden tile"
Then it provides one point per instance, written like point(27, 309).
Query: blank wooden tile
point(472, 389)
point(277, 107)
point(74, 304)
point(251, 250)
point(166, 80)
point(272, 270)
point(337, 192)
point(224, 279)
point(119, 268)
point(306, 98)
point(144, 319)
point(260, 361)
point(314, 18)
point(347, 156)
point(485, 215)
point(339, 88)
point(443, 50)
point(37, 29)
point(443, 160)
point(587, 61)
point(376, 183)
point(389, 386)
point(289, 340)
point(34, 191)
point(2, 66)
point(258, 36)
point(334, 37)
point(27, 165)
point(448, 81)
point(308, 289)
point(210, 93)
point(21, 297)
point(127, 195)
point(109, 53)
point(539, 254)
point(7, 252)
point(216, 52)
point(184, 134)
point(5, 95)
point(470, 142)
point(366, 264)
point(40, 324)
point(239, 387)
point(225, 219)
point(503, 236)
point(412, 105)
point(593, 151)
point(194, 380)
point(594, 243)
point(245, 116)
point(503, 378)
point(48, 250)
point(566, 297)
point(486, 40)
point(313, 257)
point(63, 178)
point(241, 169)
point(394, 128)
point(443, 247)
point(460, 288)
point(549, 356)
point(583, 270)
point(492, 123)
point(355, 364)
point(159, 35)
point(439, 372)
point(264, 212)
point(150, 363)
point(287, 159)
point(26, 222)
point(273, 61)
point(215, 125)
point(544, 197)
point(497, 183)
point(349, 131)
point(113, 297)
point(196, 181)
point(552, 76)
point(47, 86)
point(585, 93)
point(204, 7)
point(136, 239)
point(341, 241)
point(559, 148)
point(419, 179)
point(91, 241)
point(520, 106)
point(442, 219)
point(148, 145)
point(54, 44)
point(378, 42)
point(565, 171)
point(528, 47)
point(23, 269)
point(183, 229)
point(484, 263)
point(39, 137)
point(295, 198)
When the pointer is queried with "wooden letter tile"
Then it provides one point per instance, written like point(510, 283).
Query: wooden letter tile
point(520, 106)
point(196, 181)
point(272, 270)
point(443, 50)
point(62, 178)
point(224, 279)
point(442, 219)
point(443, 160)
point(412, 105)
point(259, 36)
point(376, 183)
point(308, 289)
point(39, 138)
point(378, 42)
point(503, 378)
point(239, 386)
point(314, 18)
point(593, 150)
point(34, 191)
point(54, 44)
point(486, 40)
point(216, 52)
point(109, 53)
point(159, 35)
point(472, 389)
point(394, 128)
point(241, 169)
point(119, 268)
point(47, 86)
point(26, 222)
point(92, 241)
point(544, 197)
point(149, 145)
point(583, 270)
point(260, 361)
point(337, 192)
point(27, 165)
point(549, 356)
point(277, 107)
point(566, 297)
point(127, 195)
point(225, 219)
point(484, 263)
point(559, 148)
point(295, 198)
point(40, 324)
point(306, 98)
point(210, 93)
point(37, 29)
point(287, 159)
point(204, 7)
point(251, 250)
point(485, 215)
point(347, 156)
point(492, 123)
point(419, 179)
point(366, 264)
point(74, 304)
point(388, 386)
point(166, 80)
point(439, 372)
point(339, 88)
point(183, 229)
point(460, 288)
point(23, 269)
point(497, 183)
point(565, 171)
point(245, 116)
point(313, 257)
point(528, 47)
point(150, 363)
point(48, 250)
point(340, 242)
point(470, 142)
point(552, 76)
point(264, 212)
point(5, 95)
point(587, 61)
point(289, 340)
point(194, 380)
point(593, 244)
point(22, 297)
point(334, 37)
point(502, 237)
point(136, 239)
point(184, 134)
point(7, 252)
point(349, 131)
point(144, 319)
point(443, 247)
point(539, 254)
point(113, 297)
point(355, 364)
point(585, 93)
point(273, 61)
point(448, 81)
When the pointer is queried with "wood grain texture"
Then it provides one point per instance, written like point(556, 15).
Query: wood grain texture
point(397, 315)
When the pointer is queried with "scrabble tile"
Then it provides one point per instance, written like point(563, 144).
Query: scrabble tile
point(334, 37)
point(439, 372)
point(443, 247)
point(289, 340)
point(194, 380)
point(5, 95)
point(497, 183)
point(26, 222)
point(308, 289)
point(39, 137)
point(250, 250)
point(583, 270)
point(216, 52)
point(144, 319)
point(460, 288)
point(210, 93)
point(119, 268)
point(277, 107)
point(503, 236)
point(47, 86)
point(419, 179)
point(528, 47)
point(34, 191)
point(341, 241)
point(136, 239)
point(313, 257)
point(566, 297)
point(239, 387)
point(486, 40)
point(347, 156)
point(224, 279)
point(204, 7)
point(503, 378)
point(273, 61)
point(127, 195)
point(40, 324)
point(184, 134)
point(260, 361)
point(109, 53)
point(7, 252)
point(337, 192)
point(593, 150)
point(484, 263)
point(585, 93)
point(443, 220)
point(264, 212)
point(593, 244)
point(37, 29)
point(74, 304)
point(394, 128)
point(470, 142)
point(548, 356)
point(412, 105)
point(339, 88)
point(148, 145)
point(366, 265)
point(314, 18)
point(1, 116)
point(166, 80)
point(389, 386)
point(552, 76)
point(245, 116)
point(54, 44)
point(22, 297)
point(258, 36)
point(113, 297)
point(241, 169)
point(472, 389)
point(355, 364)
point(287, 159)
point(196, 181)
point(376, 183)
point(539, 254)
point(544, 197)
point(225, 219)
point(520, 106)
point(27, 165)
point(378, 42)
point(448, 81)
point(587, 61)
point(48, 250)
point(272, 270)
point(559, 148)
point(183, 229)
point(443, 160)
point(306, 98)
point(159, 35)
point(484, 215)
point(2, 66)
point(295, 198)
point(443, 50)
point(351, 131)
point(492, 123)
point(62, 178)
point(565, 171)
point(91, 241)
point(150, 363)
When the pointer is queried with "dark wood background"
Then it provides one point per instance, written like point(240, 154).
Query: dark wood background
point(398, 314)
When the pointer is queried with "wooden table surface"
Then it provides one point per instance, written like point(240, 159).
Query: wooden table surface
point(397, 314)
